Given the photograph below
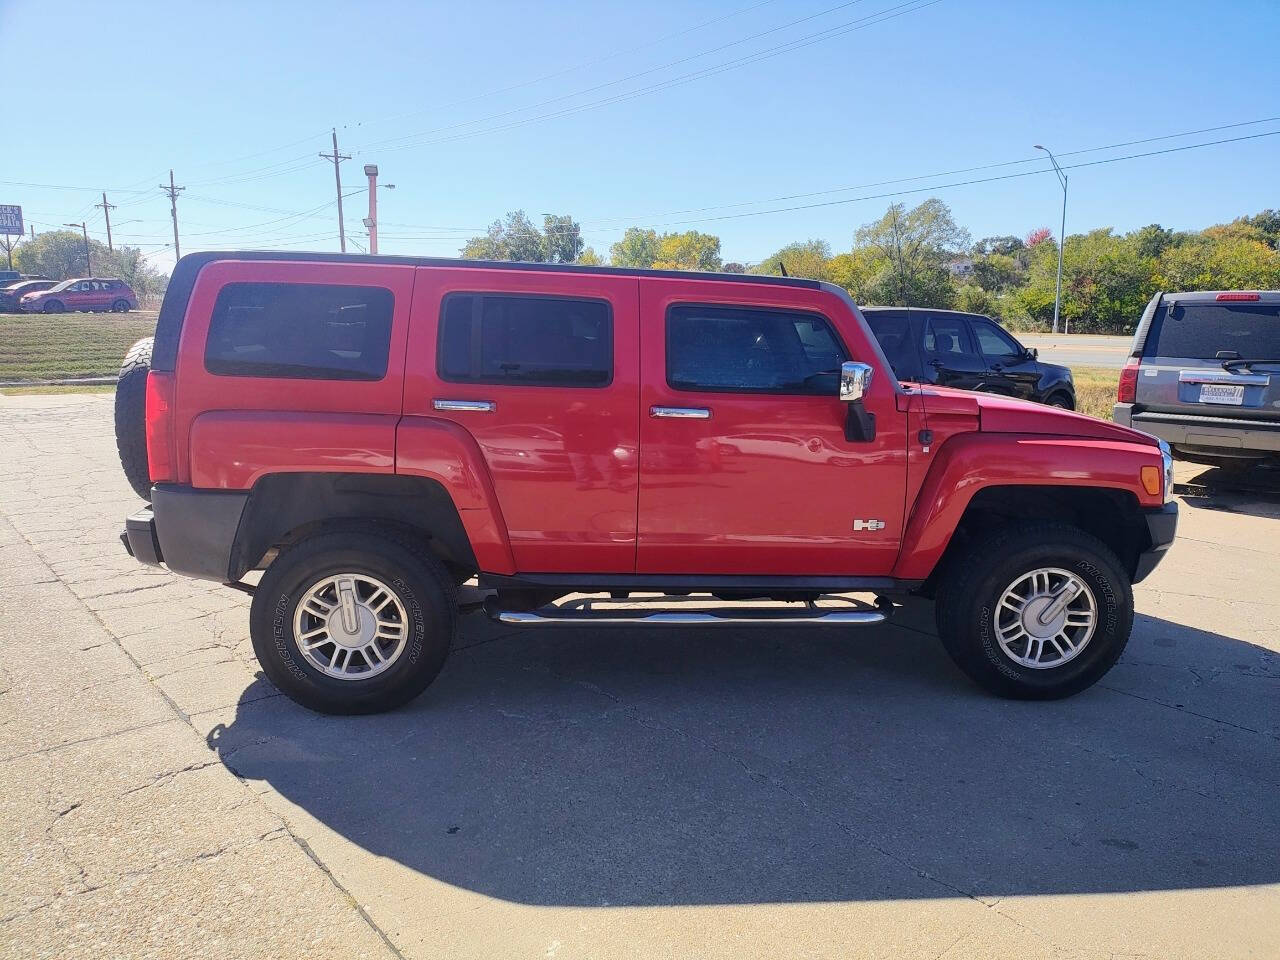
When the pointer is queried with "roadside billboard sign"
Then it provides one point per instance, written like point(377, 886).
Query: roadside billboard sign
point(11, 220)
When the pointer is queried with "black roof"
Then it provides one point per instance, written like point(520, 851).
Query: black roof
point(200, 259)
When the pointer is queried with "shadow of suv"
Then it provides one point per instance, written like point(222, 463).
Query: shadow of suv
point(1204, 376)
point(968, 351)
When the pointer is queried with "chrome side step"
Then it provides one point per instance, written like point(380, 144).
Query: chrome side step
point(581, 615)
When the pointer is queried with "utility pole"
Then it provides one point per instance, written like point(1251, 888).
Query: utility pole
point(1062, 234)
point(371, 221)
point(106, 212)
point(173, 192)
point(88, 260)
point(336, 158)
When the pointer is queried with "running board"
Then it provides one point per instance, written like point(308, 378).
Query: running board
point(809, 615)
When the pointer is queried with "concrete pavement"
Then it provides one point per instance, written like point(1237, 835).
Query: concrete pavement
point(632, 794)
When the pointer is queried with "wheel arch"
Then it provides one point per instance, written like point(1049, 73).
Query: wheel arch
point(285, 508)
point(993, 477)
point(1109, 514)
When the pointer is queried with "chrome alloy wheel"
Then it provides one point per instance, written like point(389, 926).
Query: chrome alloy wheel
point(350, 626)
point(1045, 618)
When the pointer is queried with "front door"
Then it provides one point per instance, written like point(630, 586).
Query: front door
point(1009, 368)
point(744, 465)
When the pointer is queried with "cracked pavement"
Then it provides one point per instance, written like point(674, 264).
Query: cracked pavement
point(637, 793)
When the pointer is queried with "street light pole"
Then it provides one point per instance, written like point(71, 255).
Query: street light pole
point(371, 221)
point(88, 262)
point(1062, 233)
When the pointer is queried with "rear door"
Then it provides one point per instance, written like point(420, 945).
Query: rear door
point(1182, 372)
point(542, 370)
point(948, 350)
point(744, 465)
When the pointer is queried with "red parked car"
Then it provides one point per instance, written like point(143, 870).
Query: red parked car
point(96, 294)
point(370, 432)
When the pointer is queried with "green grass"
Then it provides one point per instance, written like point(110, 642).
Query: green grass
point(40, 391)
point(53, 346)
point(1095, 390)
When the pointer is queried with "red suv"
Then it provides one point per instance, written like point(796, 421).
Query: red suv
point(371, 432)
point(87, 293)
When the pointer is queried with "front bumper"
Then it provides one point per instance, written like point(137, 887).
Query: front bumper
point(1162, 526)
point(190, 531)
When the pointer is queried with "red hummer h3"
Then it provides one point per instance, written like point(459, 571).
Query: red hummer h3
point(372, 432)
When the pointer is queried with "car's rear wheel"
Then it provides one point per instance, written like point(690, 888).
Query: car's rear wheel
point(131, 416)
point(353, 622)
point(120, 306)
point(54, 306)
point(1035, 611)
point(1061, 401)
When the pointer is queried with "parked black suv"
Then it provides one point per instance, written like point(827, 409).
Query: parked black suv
point(968, 351)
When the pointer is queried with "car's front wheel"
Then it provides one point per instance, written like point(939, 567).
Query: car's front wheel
point(353, 622)
point(1035, 611)
point(54, 306)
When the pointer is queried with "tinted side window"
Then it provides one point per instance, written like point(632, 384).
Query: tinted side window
point(946, 336)
point(531, 341)
point(893, 331)
point(994, 342)
point(300, 330)
point(727, 349)
point(1198, 331)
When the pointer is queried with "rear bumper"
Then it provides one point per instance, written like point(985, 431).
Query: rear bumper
point(1225, 435)
point(1162, 526)
point(189, 531)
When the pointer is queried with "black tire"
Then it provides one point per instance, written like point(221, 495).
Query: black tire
point(1061, 401)
point(131, 417)
point(54, 306)
point(120, 306)
point(974, 582)
point(418, 580)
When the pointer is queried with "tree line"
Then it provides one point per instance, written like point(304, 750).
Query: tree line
point(60, 255)
point(921, 257)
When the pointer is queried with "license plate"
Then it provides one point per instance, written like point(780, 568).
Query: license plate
point(1221, 393)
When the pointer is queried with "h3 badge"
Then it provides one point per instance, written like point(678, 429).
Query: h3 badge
point(860, 525)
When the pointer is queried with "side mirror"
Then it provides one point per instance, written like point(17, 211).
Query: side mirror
point(1033, 354)
point(855, 380)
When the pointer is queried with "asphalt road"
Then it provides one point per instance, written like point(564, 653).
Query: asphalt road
point(574, 793)
point(1084, 350)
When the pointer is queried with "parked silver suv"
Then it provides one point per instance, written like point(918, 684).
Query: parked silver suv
point(1204, 375)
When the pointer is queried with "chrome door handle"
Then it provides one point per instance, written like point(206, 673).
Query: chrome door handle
point(681, 413)
point(468, 406)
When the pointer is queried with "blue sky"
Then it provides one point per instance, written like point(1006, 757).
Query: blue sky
point(450, 101)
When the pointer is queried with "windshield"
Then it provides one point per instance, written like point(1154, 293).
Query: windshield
point(62, 286)
point(1198, 331)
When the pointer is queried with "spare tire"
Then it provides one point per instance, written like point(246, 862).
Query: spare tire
point(131, 416)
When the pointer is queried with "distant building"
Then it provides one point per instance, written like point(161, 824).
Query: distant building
point(960, 267)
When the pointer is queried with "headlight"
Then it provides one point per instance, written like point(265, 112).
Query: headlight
point(1167, 456)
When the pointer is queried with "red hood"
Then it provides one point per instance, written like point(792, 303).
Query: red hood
point(999, 414)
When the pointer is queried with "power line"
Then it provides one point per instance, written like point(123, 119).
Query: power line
point(966, 183)
point(573, 68)
point(633, 76)
point(943, 173)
